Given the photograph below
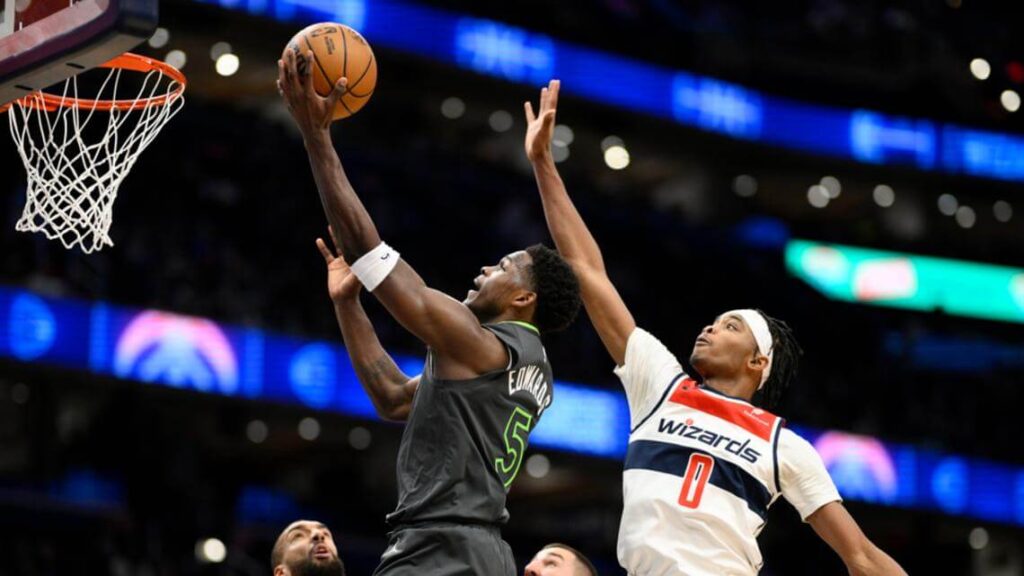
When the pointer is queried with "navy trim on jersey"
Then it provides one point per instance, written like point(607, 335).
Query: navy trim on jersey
point(775, 453)
point(660, 402)
point(673, 459)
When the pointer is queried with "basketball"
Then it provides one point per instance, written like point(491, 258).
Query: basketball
point(338, 51)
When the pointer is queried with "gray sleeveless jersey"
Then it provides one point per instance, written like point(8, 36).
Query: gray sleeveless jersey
point(465, 440)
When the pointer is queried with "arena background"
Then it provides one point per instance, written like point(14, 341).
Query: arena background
point(748, 128)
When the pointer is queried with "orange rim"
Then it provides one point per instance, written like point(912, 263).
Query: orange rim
point(126, 61)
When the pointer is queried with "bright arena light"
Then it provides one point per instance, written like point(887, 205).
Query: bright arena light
point(501, 121)
point(884, 195)
point(211, 551)
point(257, 431)
point(966, 217)
point(818, 196)
point(359, 438)
point(160, 38)
point(832, 186)
point(309, 429)
point(1010, 100)
point(227, 64)
point(980, 68)
point(538, 466)
point(948, 204)
point(559, 153)
point(563, 135)
point(1003, 211)
point(176, 58)
point(453, 108)
point(616, 157)
point(978, 538)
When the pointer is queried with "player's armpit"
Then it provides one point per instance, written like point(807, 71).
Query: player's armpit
point(833, 523)
point(607, 311)
point(464, 348)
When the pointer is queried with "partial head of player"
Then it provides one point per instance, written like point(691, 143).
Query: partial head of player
point(534, 285)
point(732, 348)
point(559, 560)
point(306, 548)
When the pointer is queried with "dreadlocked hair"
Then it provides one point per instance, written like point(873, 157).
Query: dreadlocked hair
point(786, 353)
point(558, 290)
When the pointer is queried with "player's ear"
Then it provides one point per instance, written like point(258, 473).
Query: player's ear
point(524, 298)
point(757, 361)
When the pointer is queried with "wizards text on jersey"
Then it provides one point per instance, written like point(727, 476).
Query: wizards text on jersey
point(688, 430)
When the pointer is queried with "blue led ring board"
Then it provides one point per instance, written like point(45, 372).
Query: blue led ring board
point(43, 42)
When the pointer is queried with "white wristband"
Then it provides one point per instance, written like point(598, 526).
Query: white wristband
point(373, 267)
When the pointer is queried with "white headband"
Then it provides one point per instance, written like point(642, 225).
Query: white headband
point(762, 335)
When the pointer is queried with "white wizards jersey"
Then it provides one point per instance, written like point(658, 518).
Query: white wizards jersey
point(701, 470)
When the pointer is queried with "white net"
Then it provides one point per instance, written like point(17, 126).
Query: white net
point(77, 153)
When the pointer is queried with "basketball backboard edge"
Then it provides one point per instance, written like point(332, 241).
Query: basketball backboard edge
point(62, 40)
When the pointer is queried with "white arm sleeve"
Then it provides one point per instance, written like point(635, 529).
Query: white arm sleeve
point(804, 480)
point(646, 373)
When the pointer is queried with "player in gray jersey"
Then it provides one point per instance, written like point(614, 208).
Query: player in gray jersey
point(487, 380)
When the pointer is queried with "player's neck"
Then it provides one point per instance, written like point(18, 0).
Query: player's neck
point(735, 387)
point(511, 315)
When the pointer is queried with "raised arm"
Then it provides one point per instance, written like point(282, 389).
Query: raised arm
point(612, 320)
point(438, 320)
point(839, 530)
point(390, 389)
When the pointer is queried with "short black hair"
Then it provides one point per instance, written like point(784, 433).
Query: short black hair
point(786, 354)
point(277, 553)
point(558, 290)
point(581, 559)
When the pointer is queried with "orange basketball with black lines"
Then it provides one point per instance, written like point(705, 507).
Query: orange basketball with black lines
point(338, 51)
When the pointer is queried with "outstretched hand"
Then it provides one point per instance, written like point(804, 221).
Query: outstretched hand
point(311, 111)
point(541, 126)
point(342, 284)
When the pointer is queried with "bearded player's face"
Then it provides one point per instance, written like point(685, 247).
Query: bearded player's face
point(309, 550)
point(723, 348)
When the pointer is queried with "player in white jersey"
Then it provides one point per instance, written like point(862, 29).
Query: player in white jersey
point(703, 463)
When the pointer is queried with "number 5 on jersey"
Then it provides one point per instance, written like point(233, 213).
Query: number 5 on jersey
point(517, 431)
point(698, 472)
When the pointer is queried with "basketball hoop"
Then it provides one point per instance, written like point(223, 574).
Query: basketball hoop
point(75, 163)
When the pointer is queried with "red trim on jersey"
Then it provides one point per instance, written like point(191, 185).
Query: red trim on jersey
point(750, 418)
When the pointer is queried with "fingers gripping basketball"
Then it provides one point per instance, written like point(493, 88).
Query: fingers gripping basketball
point(337, 51)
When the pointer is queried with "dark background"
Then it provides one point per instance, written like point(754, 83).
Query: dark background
point(218, 219)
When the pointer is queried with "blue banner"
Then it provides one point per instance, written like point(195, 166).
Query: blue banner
point(178, 351)
point(522, 56)
point(164, 349)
